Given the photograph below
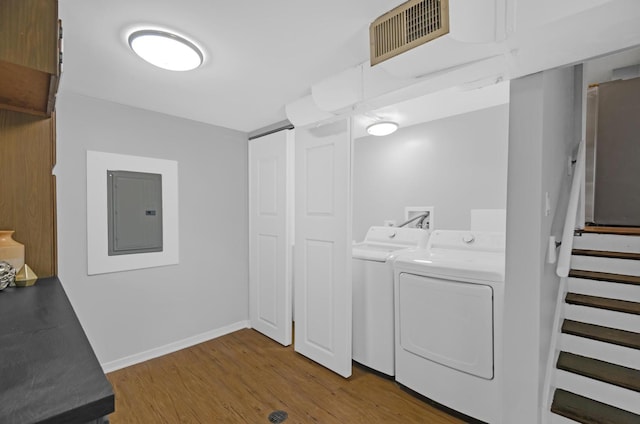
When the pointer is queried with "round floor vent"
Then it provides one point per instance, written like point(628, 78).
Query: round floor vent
point(278, 417)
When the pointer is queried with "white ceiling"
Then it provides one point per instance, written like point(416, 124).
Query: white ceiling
point(259, 55)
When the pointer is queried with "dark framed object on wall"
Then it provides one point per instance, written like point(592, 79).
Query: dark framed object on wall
point(134, 202)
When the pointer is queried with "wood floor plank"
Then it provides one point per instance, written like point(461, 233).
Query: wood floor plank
point(244, 376)
point(603, 303)
point(605, 276)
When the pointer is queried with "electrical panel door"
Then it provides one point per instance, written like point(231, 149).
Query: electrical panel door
point(134, 201)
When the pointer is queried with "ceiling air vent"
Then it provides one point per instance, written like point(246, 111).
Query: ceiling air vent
point(407, 26)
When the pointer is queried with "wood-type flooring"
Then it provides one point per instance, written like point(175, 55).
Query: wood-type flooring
point(244, 376)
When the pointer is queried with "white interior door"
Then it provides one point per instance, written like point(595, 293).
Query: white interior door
point(322, 260)
point(270, 236)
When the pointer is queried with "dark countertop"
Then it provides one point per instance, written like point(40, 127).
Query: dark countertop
point(48, 370)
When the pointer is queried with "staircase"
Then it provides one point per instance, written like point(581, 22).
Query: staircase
point(596, 379)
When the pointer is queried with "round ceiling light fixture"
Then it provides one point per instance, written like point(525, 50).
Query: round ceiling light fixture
point(382, 128)
point(166, 50)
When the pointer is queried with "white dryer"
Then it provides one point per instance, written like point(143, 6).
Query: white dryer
point(449, 308)
point(373, 314)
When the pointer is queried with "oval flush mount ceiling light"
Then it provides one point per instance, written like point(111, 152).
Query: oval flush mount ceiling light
point(382, 128)
point(166, 50)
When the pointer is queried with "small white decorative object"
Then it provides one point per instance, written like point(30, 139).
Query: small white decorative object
point(7, 274)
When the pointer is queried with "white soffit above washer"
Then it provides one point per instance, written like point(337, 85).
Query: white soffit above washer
point(438, 105)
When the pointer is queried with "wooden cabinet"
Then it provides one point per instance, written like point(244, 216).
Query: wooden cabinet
point(30, 64)
point(27, 186)
point(29, 73)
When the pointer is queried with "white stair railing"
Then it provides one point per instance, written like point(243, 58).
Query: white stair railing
point(574, 219)
point(575, 213)
point(549, 379)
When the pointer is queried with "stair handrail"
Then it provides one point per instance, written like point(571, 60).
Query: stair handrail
point(575, 212)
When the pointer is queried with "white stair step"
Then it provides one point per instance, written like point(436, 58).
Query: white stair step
point(620, 355)
point(608, 242)
point(619, 291)
point(603, 317)
point(597, 390)
point(609, 265)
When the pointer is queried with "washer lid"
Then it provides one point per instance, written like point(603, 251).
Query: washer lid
point(372, 252)
point(380, 242)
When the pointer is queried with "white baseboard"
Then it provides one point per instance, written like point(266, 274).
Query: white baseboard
point(172, 347)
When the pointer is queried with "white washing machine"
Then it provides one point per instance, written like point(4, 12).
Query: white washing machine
point(373, 315)
point(449, 308)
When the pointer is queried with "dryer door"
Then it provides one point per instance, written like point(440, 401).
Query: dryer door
point(447, 322)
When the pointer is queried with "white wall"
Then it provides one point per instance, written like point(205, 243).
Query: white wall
point(455, 164)
point(128, 313)
point(542, 135)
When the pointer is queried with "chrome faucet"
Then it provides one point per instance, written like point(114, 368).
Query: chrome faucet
point(420, 223)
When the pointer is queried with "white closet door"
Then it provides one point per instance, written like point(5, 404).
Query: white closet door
point(270, 237)
point(322, 259)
